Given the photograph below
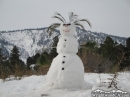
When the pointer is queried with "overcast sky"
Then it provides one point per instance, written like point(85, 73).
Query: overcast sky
point(107, 16)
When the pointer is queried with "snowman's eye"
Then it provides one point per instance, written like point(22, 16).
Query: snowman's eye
point(68, 24)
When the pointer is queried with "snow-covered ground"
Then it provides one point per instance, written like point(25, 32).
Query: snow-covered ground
point(34, 86)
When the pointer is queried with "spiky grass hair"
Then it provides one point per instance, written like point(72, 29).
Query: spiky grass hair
point(73, 18)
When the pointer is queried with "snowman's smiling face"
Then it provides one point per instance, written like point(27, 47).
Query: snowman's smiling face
point(67, 29)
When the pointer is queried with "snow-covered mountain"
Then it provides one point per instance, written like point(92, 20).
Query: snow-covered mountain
point(31, 41)
point(99, 37)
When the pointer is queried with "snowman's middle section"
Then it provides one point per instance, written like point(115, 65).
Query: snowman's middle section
point(67, 44)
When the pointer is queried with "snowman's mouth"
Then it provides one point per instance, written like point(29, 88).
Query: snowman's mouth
point(66, 30)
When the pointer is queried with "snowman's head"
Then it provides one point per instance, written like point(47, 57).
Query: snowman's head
point(67, 28)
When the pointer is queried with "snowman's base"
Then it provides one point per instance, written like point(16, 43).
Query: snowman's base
point(66, 71)
point(85, 86)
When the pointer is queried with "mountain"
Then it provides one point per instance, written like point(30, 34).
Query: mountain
point(99, 37)
point(32, 41)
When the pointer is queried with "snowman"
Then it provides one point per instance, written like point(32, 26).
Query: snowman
point(67, 70)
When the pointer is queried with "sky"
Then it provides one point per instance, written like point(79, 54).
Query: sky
point(107, 16)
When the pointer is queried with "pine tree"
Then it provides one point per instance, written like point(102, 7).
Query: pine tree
point(126, 61)
point(1, 56)
point(3, 65)
point(44, 59)
point(1, 60)
point(128, 43)
point(107, 48)
point(35, 58)
point(32, 60)
point(14, 59)
point(29, 62)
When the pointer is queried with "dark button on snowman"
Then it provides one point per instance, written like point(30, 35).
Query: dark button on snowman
point(67, 70)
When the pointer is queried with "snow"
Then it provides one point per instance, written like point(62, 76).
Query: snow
point(34, 86)
point(32, 66)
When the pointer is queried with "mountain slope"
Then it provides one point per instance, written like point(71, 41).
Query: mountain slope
point(32, 41)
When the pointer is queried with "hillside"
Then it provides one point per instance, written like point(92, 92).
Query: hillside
point(32, 41)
